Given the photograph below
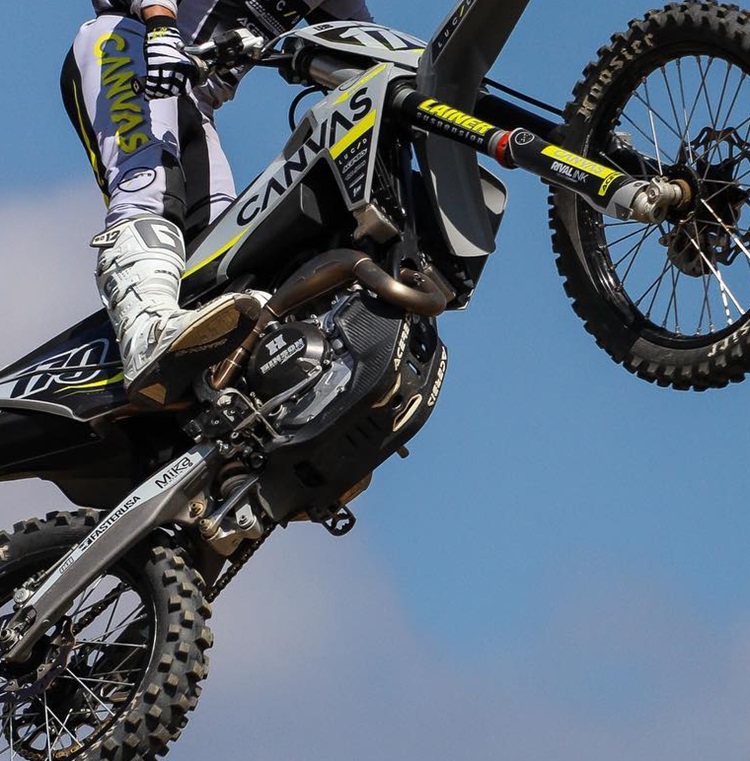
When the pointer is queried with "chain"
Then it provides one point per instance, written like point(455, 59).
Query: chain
point(252, 546)
point(99, 608)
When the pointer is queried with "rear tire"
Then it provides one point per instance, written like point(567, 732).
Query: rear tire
point(133, 672)
point(670, 302)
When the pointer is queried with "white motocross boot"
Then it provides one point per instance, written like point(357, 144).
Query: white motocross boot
point(163, 347)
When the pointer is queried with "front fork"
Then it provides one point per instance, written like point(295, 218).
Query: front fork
point(609, 191)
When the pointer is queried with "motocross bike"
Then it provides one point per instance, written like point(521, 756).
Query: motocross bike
point(374, 219)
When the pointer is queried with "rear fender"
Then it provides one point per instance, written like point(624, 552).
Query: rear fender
point(77, 374)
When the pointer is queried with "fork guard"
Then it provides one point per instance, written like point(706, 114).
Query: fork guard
point(452, 69)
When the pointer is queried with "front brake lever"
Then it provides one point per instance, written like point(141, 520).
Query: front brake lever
point(237, 47)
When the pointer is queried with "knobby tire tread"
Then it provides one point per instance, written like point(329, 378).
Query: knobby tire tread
point(157, 713)
point(712, 366)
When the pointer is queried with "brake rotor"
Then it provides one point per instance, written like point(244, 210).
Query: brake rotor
point(708, 235)
point(22, 684)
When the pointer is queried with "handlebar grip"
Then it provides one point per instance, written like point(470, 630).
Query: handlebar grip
point(202, 69)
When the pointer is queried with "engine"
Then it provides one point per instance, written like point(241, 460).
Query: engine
point(287, 357)
point(341, 392)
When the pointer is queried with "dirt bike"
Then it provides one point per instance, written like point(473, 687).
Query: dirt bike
point(374, 219)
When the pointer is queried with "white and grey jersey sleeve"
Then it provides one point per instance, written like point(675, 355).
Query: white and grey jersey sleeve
point(200, 20)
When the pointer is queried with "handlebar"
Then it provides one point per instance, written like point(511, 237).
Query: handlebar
point(225, 51)
point(238, 47)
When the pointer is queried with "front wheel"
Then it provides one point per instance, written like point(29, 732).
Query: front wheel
point(669, 97)
point(116, 677)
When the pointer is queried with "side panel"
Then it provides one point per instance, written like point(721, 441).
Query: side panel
point(28, 438)
point(341, 131)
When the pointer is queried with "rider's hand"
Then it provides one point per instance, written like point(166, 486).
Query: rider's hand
point(169, 71)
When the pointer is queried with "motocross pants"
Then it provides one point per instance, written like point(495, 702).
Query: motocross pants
point(158, 157)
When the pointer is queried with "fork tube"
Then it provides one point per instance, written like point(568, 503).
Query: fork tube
point(609, 191)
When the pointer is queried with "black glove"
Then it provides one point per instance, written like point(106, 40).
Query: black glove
point(169, 72)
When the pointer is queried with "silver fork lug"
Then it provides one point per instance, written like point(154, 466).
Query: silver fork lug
point(652, 204)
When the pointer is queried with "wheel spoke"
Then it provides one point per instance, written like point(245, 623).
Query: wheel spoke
point(682, 111)
point(638, 231)
point(634, 251)
point(652, 138)
point(56, 734)
point(672, 305)
point(125, 623)
point(655, 287)
point(86, 596)
point(102, 704)
point(645, 134)
point(46, 725)
point(130, 645)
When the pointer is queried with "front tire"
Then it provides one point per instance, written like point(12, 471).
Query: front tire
point(131, 672)
point(668, 97)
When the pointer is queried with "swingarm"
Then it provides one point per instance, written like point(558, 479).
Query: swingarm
point(160, 500)
point(609, 191)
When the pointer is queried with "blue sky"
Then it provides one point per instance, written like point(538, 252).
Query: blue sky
point(560, 569)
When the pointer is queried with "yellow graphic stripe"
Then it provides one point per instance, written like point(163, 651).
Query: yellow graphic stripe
point(454, 116)
point(608, 182)
point(361, 82)
point(353, 135)
point(87, 143)
point(578, 162)
point(216, 255)
point(98, 384)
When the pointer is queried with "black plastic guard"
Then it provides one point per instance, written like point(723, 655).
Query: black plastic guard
point(451, 70)
point(400, 367)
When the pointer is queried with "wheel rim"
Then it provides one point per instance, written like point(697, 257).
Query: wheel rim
point(100, 673)
point(687, 280)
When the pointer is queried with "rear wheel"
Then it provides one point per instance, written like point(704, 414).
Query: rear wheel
point(116, 678)
point(669, 97)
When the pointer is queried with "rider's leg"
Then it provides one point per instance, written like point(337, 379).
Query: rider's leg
point(139, 269)
point(209, 184)
point(135, 150)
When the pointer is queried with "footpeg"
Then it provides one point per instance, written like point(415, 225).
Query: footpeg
point(338, 523)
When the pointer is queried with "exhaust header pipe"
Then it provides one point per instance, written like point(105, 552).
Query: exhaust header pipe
point(417, 294)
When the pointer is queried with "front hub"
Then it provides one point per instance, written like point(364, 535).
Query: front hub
point(707, 234)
